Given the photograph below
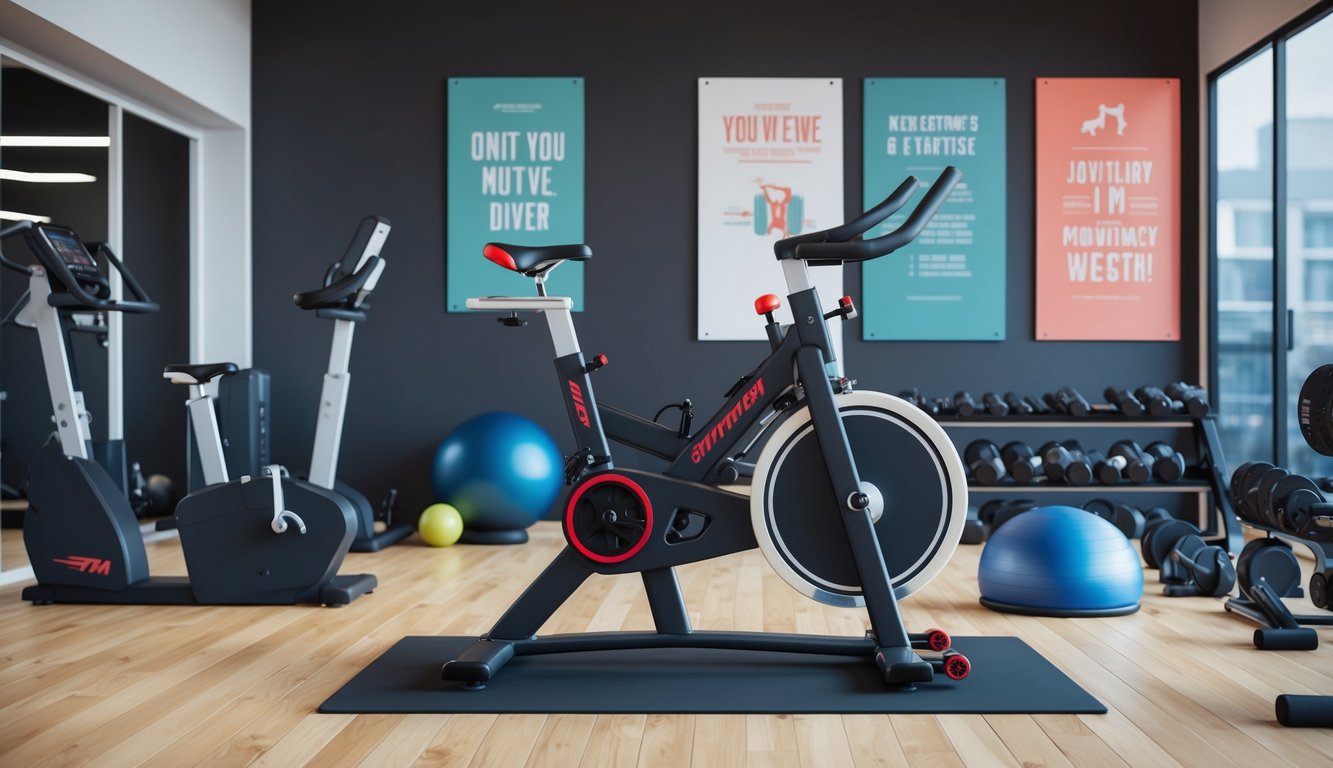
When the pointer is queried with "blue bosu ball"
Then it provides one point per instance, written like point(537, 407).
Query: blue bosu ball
point(1060, 561)
point(502, 472)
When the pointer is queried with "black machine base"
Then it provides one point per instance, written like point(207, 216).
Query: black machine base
point(1027, 610)
point(513, 536)
point(175, 590)
point(381, 539)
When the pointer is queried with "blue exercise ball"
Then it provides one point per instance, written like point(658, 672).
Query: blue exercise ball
point(1060, 561)
point(502, 472)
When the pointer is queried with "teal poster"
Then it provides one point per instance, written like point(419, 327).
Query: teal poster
point(514, 168)
point(948, 284)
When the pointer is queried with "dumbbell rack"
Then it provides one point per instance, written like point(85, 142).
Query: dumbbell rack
point(1222, 528)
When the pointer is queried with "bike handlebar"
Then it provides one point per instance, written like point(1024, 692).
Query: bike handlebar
point(5, 234)
point(836, 246)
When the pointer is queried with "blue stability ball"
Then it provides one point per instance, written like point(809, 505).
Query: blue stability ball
point(1060, 561)
point(501, 472)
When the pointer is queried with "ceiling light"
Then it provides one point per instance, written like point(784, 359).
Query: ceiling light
point(12, 216)
point(55, 141)
point(46, 178)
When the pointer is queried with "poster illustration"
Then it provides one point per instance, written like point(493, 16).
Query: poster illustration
point(514, 154)
point(770, 166)
point(949, 283)
point(1108, 209)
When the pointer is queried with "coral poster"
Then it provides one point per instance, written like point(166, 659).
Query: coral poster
point(514, 175)
point(1108, 209)
point(948, 284)
point(770, 166)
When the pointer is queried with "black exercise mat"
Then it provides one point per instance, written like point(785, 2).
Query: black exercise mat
point(1007, 676)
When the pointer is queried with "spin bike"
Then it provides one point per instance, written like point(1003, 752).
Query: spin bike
point(265, 539)
point(857, 498)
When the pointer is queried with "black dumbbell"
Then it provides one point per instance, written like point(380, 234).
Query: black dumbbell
point(974, 530)
point(1161, 536)
point(964, 405)
point(1318, 589)
point(1128, 518)
point(1193, 567)
point(1168, 466)
point(1056, 458)
point(1191, 396)
point(943, 406)
point(1036, 405)
point(1156, 401)
point(983, 462)
point(994, 405)
point(1053, 404)
point(1124, 401)
point(1125, 461)
point(1073, 403)
point(1017, 405)
point(1079, 471)
point(1023, 465)
point(997, 512)
point(1242, 480)
point(1296, 711)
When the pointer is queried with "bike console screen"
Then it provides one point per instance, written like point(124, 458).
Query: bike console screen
point(60, 246)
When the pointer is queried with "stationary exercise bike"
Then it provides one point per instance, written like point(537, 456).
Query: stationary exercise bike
point(857, 498)
point(265, 539)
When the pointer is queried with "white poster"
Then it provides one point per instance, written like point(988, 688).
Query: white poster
point(770, 166)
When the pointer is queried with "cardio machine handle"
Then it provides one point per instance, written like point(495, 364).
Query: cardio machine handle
point(5, 234)
point(78, 297)
point(864, 250)
point(786, 248)
point(335, 292)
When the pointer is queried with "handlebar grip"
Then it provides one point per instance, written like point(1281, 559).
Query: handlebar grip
point(861, 250)
point(890, 205)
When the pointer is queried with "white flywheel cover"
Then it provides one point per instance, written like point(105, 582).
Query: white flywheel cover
point(951, 476)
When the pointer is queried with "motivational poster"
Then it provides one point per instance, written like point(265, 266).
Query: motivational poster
point(514, 175)
point(770, 167)
point(1108, 209)
point(949, 283)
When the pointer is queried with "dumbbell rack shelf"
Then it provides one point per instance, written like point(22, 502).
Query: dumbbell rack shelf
point(1222, 528)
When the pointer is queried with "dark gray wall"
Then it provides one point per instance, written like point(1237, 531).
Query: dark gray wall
point(349, 118)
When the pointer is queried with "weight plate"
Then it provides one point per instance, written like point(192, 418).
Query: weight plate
point(1235, 486)
point(1263, 502)
point(1297, 509)
point(1157, 543)
point(1243, 498)
point(1315, 409)
point(1319, 590)
point(1270, 559)
point(1283, 491)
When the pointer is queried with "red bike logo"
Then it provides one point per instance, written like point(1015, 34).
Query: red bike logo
point(580, 410)
point(724, 425)
point(93, 565)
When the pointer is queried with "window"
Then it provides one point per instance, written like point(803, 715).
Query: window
point(1272, 224)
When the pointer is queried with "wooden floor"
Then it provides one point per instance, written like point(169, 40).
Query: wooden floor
point(180, 686)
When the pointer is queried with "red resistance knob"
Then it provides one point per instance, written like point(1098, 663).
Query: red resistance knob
point(597, 362)
point(766, 304)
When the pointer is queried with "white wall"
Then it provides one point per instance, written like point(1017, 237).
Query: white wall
point(187, 61)
point(1226, 29)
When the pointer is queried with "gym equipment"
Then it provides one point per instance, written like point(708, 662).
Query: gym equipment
point(1191, 397)
point(1283, 632)
point(1020, 462)
point(1168, 466)
point(440, 525)
point(502, 472)
point(1124, 402)
point(1080, 469)
point(1036, 405)
point(1273, 561)
point(974, 530)
point(997, 512)
point(80, 533)
point(1018, 405)
point(1125, 460)
point(1193, 567)
point(857, 498)
point(964, 405)
point(1158, 539)
point(1071, 402)
point(983, 462)
point(1127, 518)
point(1314, 410)
point(1060, 561)
point(994, 405)
point(1156, 401)
point(1057, 457)
point(1296, 711)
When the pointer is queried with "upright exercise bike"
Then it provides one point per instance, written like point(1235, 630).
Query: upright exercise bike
point(857, 498)
point(265, 539)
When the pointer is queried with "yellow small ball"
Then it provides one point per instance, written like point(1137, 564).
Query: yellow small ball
point(440, 525)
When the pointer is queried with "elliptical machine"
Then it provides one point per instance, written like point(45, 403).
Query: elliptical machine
point(82, 539)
